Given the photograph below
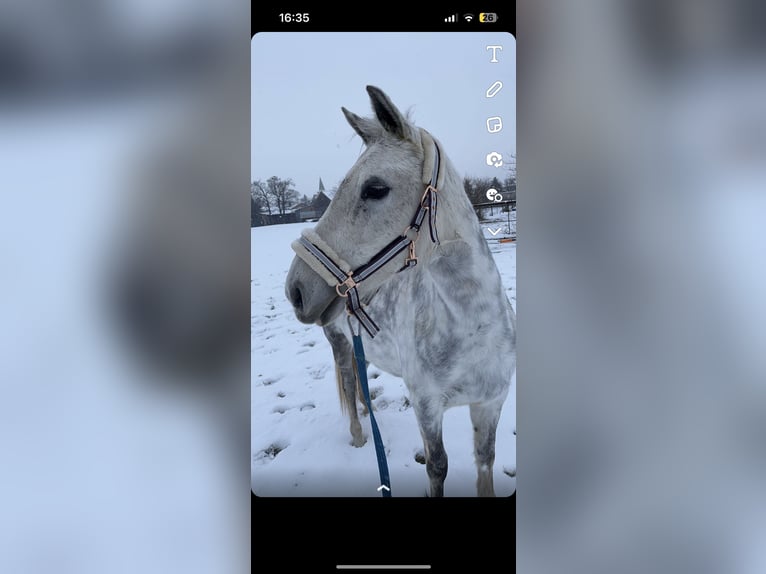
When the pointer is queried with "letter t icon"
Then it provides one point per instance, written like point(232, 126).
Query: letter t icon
point(494, 52)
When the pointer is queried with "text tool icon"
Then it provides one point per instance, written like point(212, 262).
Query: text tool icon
point(494, 159)
point(494, 124)
point(493, 90)
point(493, 195)
point(494, 49)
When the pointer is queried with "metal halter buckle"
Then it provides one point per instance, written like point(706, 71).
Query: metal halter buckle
point(349, 283)
point(429, 189)
point(411, 256)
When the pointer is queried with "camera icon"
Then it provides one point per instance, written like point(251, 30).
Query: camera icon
point(494, 159)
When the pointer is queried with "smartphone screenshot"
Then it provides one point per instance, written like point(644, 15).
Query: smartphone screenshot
point(383, 265)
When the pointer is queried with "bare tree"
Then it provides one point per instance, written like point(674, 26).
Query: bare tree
point(509, 183)
point(469, 188)
point(260, 194)
point(476, 188)
point(281, 192)
point(510, 165)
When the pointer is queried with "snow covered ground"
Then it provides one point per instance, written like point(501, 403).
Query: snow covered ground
point(301, 444)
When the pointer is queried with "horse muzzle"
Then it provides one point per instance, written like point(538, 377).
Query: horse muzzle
point(313, 300)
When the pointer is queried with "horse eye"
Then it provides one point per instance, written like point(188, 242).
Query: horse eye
point(374, 189)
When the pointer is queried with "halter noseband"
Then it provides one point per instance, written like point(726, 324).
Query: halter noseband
point(346, 282)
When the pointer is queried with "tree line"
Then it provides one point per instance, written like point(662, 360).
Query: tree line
point(476, 187)
point(278, 196)
point(275, 195)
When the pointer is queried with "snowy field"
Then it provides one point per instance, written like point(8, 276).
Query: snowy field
point(301, 444)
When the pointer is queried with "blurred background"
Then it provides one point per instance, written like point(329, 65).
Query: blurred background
point(642, 208)
point(124, 370)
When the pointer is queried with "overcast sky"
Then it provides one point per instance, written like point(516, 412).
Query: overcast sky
point(301, 80)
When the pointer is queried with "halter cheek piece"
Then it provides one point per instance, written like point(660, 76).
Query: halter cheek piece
point(331, 266)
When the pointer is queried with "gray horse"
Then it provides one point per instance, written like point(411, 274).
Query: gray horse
point(445, 324)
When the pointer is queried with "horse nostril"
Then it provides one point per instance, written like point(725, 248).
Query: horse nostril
point(296, 298)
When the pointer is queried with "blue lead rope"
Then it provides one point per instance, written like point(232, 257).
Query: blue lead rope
point(361, 369)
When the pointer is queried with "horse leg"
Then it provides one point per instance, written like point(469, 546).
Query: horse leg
point(430, 423)
point(484, 417)
point(343, 354)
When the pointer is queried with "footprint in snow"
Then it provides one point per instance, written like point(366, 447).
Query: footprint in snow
point(271, 381)
point(270, 452)
point(318, 372)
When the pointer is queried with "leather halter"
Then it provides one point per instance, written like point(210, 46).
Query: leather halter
point(347, 281)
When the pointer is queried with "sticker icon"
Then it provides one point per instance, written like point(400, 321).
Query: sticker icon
point(494, 159)
point(493, 195)
point(493, 90)
point(494, 124)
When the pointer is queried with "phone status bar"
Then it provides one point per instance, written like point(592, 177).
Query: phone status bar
point(334, 19)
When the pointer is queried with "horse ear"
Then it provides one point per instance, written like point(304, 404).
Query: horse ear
point(366, 128)
point(388, 114)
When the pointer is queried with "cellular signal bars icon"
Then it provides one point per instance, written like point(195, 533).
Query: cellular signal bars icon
point(451, 18)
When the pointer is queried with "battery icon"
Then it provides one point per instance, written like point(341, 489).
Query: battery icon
point(487, 17)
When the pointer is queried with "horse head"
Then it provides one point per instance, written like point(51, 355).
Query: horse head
point(373, 205)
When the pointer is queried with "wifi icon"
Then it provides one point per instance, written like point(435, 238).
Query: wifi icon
point(468, 17)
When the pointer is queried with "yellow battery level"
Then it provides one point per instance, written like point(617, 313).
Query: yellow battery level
point(487, 17)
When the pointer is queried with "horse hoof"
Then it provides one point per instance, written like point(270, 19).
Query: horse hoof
point(358, 442)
